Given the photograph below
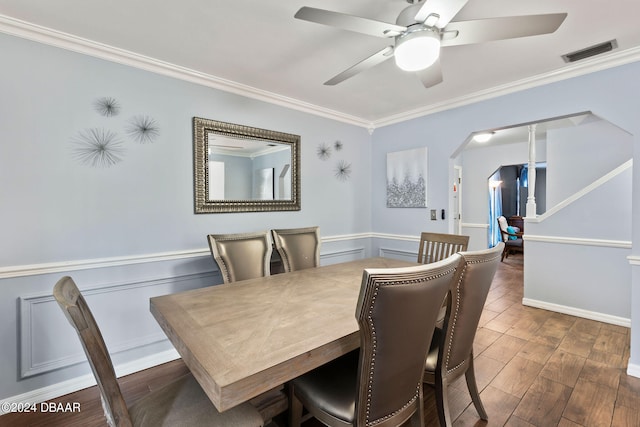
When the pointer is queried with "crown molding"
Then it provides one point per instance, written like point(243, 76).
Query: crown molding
point(573, 70)
point(40, 34)
point(48, 36)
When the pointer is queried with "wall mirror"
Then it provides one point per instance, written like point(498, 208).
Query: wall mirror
point(244, 169)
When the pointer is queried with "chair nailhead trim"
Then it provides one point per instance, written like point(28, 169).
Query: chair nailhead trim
point(455, 317)
point(225, 267)
point(374, 346)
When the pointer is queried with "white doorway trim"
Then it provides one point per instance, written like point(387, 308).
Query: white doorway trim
point(456, 199)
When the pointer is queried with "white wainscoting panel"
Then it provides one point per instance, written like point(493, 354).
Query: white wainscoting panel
point(48, 342)
point(342, 255)
point(410, 256)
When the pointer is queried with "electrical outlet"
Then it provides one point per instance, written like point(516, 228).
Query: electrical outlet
point(433, 215)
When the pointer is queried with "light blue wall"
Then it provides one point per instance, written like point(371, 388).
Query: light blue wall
point(135, 206)
point(612, 94)
point(576, 260)
point(129, 232)
point(593, 149)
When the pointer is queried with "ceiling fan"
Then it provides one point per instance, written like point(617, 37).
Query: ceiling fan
point(425, 26)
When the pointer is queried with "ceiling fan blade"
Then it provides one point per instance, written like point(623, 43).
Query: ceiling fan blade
point(446, 9)
point(349, 22)
point(365, 64)
point(431, 76)
point(484, 30)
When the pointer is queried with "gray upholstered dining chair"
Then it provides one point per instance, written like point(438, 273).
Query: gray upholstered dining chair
point(438, 246)
point(451, 353)
point(381, 383)
point(299, 248)
point(181, 402)
point(241, 256)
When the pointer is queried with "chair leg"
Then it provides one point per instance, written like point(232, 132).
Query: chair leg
point(417, 419)
point(295, 408)
point(442, 402)
point(470, 376)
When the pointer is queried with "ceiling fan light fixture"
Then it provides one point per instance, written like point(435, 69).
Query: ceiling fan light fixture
point(418, 49)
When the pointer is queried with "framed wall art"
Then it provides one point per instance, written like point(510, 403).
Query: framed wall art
point(407, 178)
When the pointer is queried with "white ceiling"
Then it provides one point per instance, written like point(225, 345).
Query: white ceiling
point(257, 48)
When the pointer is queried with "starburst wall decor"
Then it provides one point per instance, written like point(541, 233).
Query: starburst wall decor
point(343, 170)
point(143, 129)
point(102, 148)
point(107, 106)
point(323, 151)
point(97, 147)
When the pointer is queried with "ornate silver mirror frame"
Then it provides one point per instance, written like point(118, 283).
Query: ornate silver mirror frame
point(204, 130)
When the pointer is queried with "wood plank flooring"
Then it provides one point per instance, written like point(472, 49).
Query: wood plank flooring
point(533, 367)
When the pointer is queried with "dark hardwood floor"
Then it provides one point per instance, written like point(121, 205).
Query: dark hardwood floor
point(534, 367)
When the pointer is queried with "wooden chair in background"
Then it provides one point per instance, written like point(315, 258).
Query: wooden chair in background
point(181, 402)
point(437, 246)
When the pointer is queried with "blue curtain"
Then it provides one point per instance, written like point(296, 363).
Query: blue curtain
point(495, 210)
point(524, 176)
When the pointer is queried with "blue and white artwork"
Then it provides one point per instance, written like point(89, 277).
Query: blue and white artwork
point(407, 179)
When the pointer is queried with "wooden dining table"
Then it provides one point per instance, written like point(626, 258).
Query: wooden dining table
point(245, 338)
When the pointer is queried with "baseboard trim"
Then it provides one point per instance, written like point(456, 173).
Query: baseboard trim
point(75, 384)
point(586, 314)
point(633, 370)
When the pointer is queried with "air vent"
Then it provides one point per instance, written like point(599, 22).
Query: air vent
point(590, 51)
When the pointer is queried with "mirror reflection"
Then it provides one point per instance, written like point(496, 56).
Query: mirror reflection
point(248, 169)
point(244, 169)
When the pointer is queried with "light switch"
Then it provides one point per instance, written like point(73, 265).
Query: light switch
point(433, 215)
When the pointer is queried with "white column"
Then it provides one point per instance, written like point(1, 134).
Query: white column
point(531, 198)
